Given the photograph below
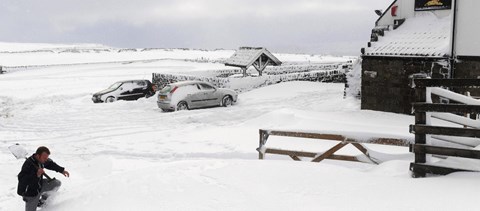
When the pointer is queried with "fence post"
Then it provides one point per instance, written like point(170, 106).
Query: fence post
point(261, 144)
point(420, 119)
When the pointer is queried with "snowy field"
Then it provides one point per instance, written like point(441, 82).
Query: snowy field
point(132, 156)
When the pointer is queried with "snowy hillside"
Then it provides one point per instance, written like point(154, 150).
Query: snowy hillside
point(24, 54)
point(132, 156)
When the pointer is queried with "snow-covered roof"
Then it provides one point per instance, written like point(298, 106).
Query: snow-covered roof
point(422, 36)
point(246, 56)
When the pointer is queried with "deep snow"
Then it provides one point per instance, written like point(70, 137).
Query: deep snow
point(132, 156)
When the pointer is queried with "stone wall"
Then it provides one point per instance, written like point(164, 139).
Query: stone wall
point(243, 84)
point(385, 81)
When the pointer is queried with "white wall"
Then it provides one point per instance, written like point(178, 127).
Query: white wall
point(467, 40)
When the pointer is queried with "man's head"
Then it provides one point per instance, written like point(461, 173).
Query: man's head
point(42, 154)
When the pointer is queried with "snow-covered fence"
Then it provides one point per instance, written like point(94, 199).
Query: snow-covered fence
point(443, 141)
point(330, 153)
point(243, 84)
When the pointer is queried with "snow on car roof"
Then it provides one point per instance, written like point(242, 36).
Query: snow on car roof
point(424, 36)
point(129, 81)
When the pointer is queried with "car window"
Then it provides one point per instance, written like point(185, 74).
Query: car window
point(128, 86)
point(141, 83)
point(206, 87)
point(166, 89)
point(193, 87)
point(115, 85)
point(188, 89)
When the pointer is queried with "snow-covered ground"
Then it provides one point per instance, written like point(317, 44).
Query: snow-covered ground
point(132, 156)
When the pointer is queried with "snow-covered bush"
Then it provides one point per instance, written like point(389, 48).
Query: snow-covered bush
point(354, 80)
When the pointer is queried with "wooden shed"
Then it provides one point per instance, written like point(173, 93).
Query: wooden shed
point(259, 58)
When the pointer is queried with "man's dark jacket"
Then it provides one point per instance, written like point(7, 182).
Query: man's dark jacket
point(29, 184)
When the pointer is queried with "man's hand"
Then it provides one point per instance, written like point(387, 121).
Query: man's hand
point(40, 172)
point(66, 174)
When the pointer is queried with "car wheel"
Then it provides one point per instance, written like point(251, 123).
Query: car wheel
point(181, 106)
point(227, 101)
point(110, 100)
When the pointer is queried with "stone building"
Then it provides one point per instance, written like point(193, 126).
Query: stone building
point(419, 38)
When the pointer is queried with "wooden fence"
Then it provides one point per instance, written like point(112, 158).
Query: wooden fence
point(422, 129)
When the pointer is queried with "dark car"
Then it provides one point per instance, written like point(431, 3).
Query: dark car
point(125, 90)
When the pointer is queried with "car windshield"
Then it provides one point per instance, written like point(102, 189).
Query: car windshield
point(166, 89)
point(115, 85)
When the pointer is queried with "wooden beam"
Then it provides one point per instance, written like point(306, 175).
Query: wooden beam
point(424, 169)
point(296, 158)
point(310, 154)
point(383, 141)
point(244, 71)
point(446, 131)
point(290, 152)
point(422, 83)
point(420, 118)
point(329, 152)
point(453, 152)
point(446, 108)
point(307, 135)
point(260, 62)
point(267, 63)
point(364, 151)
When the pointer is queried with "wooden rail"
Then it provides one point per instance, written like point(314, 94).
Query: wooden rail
point(330, 153)
point(467, 83)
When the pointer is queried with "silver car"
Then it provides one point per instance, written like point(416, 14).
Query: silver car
point(194, 94)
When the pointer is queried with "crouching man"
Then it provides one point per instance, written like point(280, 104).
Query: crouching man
point(31, 184)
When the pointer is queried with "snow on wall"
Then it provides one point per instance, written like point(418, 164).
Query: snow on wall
point(248, 83)
point(271, 70)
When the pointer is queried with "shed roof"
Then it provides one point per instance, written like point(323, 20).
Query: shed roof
point(246, 56)
point(422, 36)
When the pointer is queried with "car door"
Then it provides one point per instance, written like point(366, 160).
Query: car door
point(139, 90)
point(126, 91)
point(194, 96)
point(209, 95)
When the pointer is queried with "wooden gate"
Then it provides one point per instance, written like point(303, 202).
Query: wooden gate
point(330, 153)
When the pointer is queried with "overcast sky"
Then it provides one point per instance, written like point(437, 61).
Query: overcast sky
point(339, 27)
